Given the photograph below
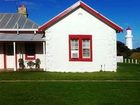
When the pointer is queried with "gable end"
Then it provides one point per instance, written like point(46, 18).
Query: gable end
point(85, 7)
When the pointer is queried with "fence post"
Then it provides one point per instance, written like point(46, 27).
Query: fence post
point(136, 61)
point(125, 60)
point(132, 60)
point(128, 60)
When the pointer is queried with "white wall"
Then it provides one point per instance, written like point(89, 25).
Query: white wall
point(80, 22)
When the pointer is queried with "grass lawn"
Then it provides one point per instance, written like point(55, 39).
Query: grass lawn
point(69, 93)
point(125, 72)
point(72, 93)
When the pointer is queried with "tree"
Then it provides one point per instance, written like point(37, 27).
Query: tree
point(136, 50)
point(123, 50)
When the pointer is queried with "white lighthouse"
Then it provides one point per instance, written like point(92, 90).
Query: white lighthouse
point(128, 38)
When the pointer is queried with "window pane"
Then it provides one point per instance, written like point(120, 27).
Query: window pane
point(86, 48)
point(86, 53)
point(74, 44)
point(74, 48)
point(86, 44)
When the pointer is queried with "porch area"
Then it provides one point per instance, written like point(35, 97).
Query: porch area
point(28, 50)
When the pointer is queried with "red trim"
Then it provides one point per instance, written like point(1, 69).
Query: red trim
point(4, 52)
point(29, 57)
point(91, 47)
point(80, 38)
point(87, 8)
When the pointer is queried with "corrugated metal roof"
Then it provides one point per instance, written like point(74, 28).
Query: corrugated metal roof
point(21, 37)
point(16, 20)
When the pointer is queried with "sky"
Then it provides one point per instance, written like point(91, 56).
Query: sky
point(123, 12)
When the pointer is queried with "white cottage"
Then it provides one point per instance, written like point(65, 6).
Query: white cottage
point(77, 40)
point(80, 39)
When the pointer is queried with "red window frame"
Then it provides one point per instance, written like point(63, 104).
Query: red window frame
point(27, 56)
point(80, 38)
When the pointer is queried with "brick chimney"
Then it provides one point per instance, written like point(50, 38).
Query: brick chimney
point(23, 10)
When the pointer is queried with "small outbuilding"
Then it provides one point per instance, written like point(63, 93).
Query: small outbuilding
point(80, 39)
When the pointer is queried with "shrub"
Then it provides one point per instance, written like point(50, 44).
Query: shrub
point(37, 63)
point(135, 55)
point(21, 63)
point(30, 64)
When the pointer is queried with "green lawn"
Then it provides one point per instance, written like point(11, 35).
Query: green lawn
point(125, 72)
point(72, 93)
point(69, 93)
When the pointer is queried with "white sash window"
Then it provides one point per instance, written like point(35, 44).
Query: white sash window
point(80, 47)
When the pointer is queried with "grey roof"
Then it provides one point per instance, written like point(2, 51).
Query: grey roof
point(21, 37)
point(16, 20)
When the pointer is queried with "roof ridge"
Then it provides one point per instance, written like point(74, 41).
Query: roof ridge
point(99, 13)
point(86, 8)
point(77, 3)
